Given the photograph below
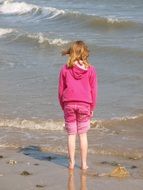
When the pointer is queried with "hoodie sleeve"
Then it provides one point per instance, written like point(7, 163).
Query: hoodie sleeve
point(93, 85)
point(61, 87)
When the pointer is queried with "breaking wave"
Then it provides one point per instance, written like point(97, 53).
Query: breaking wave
point(9, 7)
point(5, 31)
point(111, 21)
point(118, 121)
point(58, 125)
point(31, 124)
point(40, 38)
point(41, 13)
point(22, 8)
point(92, 20)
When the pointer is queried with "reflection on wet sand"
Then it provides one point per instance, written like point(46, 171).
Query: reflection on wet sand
point(71, 181)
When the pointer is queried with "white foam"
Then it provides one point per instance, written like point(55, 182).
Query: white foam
point(58, 42)
point(113, 20)
point(53, 12)
point(4, 31)
point(42, 39)
point(109, 19)
point(31, 124)
point(9, 7)
point(39, 37)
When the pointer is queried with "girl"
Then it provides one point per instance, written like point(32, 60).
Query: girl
point(77, 97)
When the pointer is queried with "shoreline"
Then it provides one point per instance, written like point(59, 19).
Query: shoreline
point(26, 172)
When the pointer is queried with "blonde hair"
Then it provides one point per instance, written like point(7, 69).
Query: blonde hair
point(77, 51)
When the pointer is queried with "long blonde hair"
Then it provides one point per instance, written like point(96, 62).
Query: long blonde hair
point(78, 51)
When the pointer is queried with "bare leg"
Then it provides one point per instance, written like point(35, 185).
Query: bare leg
point(71, 150)
point(83, 150)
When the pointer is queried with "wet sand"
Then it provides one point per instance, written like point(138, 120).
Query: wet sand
point(21, 169)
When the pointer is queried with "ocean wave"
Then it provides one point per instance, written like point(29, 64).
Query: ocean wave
point(22, 8)
point(53, 12)
point(93, 20)
point(34, 124)
point(10, 7)
point(41, 13)
point(5, 31)
point(40, 38)
point(118, 121)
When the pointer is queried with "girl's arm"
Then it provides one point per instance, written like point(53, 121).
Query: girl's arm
point(61, 88)
point(93, 84)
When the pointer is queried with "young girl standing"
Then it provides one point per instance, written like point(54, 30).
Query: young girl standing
point(77, 96)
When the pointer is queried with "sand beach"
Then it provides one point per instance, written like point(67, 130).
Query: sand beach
point(31, 167)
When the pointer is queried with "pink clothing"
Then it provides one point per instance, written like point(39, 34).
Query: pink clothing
point(78, 84)
point(77, 117)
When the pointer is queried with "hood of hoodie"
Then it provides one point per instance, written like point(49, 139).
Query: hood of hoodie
point(78, 72)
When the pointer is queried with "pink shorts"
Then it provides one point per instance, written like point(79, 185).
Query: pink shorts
point(77, 117)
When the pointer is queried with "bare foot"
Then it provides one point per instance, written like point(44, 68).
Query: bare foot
point(84, 168)
point(71, 166)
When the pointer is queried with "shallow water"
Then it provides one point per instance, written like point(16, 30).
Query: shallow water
point(32, 35)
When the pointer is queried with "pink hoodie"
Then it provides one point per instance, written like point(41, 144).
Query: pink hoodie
point(78, 84)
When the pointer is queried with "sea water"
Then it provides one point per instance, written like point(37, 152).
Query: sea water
point(32, 35)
